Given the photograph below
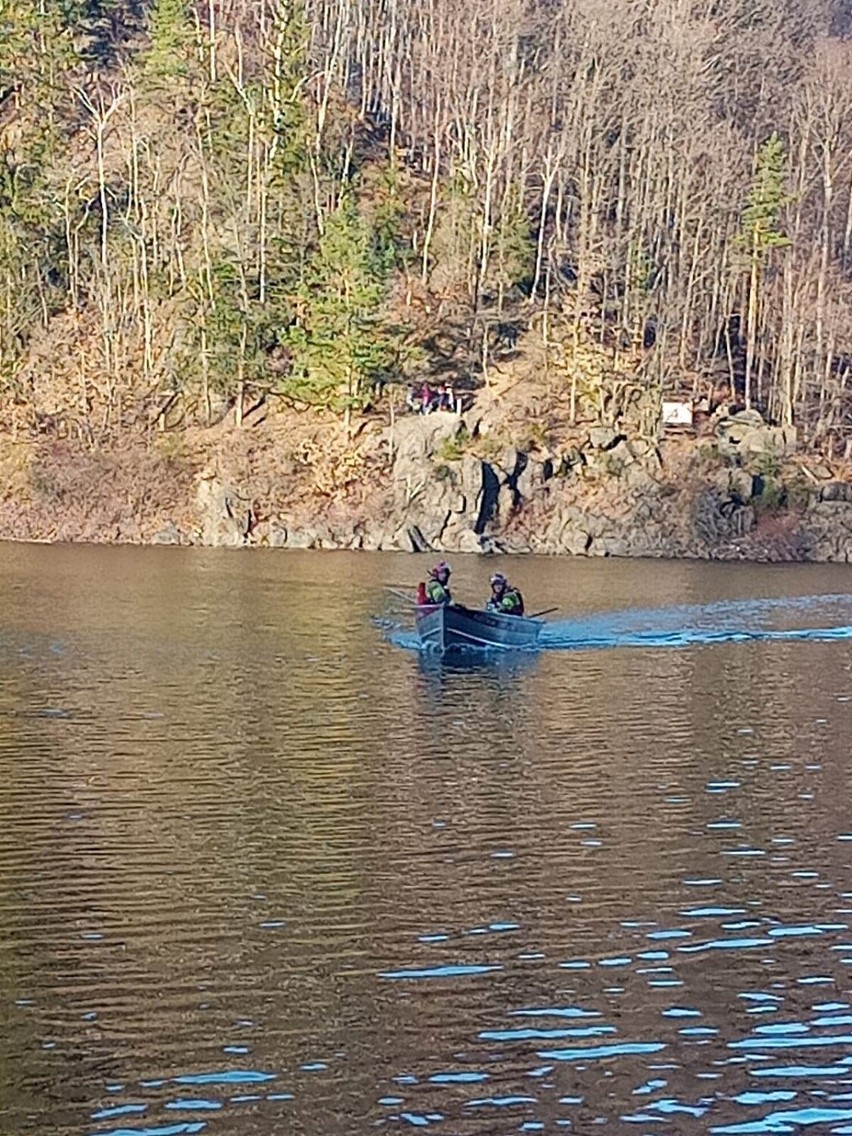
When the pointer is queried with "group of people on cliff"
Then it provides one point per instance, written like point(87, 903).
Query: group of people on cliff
point(424, 399)
point(505, 598)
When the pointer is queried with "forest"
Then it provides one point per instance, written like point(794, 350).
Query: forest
point(207, 204)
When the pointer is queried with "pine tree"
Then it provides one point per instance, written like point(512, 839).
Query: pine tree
point(761, 232)
point(36, 50)
point(341, 342)
point(761, 228)
point(170, 33)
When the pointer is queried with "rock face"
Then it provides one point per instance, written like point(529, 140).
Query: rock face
point(169, 534)
point(827, 530)
point(225, 516)
point(447, 498)
point(605, 495)
point(445, 483)
point(435, 487)
point(745, 436)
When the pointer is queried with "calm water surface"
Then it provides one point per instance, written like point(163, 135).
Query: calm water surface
point(264, 870)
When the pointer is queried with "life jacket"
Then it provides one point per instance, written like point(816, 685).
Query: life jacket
point(421, 594)
point(437, 593)
point(515, 606)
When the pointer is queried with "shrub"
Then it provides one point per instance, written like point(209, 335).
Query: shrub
point(453, 449)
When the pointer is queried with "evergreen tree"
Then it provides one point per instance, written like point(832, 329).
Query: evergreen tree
point(515, 251)
point(36, 50)
point(341, 342)
point(761, 225)
point(170, 34)
point(255, 125)
point(761, 232)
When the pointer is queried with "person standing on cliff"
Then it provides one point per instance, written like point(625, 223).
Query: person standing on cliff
point(505, 599)
point(427, 399)
point(437, 589)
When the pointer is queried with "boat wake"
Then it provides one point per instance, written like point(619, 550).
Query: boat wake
point(820, 618)
point(809, 618)
point(408, 640)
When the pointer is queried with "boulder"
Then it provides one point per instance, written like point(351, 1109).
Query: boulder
point(468, 541)
point(271, 533)
point(419, 543)
point(615, 460)
point(169, 534)
point(372, 538)
point(574, 540)
point(745, 436)
point(224, 514)
point(532, 479)
point(622, 451)
point(445, 501)
point(470, 487)
point(740, 485)
point(260, 534)
point(510, 462)
point(490, 544)
point(617, 545)
point(505, 505)
point(752, 419)
point(604, 437)
point(836, 491)
point(399, 541)
point(569, 460)
point(129, 532)
point(302, 538)
point(418, 438)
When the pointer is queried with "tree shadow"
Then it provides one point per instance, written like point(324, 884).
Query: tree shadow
point(111, 28)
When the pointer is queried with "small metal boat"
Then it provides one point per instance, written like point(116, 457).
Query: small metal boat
point(452, 627)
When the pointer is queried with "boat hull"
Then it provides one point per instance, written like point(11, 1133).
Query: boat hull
point(449, 628)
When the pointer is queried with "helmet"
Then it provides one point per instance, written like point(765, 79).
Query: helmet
point(498, 580)
point(440, 569)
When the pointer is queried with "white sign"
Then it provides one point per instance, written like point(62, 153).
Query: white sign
point(677, 413)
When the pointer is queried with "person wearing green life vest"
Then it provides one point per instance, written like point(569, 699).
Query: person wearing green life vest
point(438, 585)
point(505, 599)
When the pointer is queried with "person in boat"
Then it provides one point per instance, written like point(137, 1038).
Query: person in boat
point(437, 589)
point(505, 599)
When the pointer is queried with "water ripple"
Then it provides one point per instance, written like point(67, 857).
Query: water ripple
point(261, 871)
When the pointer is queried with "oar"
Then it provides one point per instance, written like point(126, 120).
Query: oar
point(402, 596)
point(538, 614)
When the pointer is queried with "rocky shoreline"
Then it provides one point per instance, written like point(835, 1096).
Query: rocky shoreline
point(445, 483)
point(611, 497)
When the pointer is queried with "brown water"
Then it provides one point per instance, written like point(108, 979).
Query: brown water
point(264, 870)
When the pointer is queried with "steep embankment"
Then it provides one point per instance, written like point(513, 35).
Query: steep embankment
point(469, 483)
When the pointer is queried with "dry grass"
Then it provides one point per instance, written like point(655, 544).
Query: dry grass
point(64, 491)
point(16, 459)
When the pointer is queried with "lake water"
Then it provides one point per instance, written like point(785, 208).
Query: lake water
point(265, 870)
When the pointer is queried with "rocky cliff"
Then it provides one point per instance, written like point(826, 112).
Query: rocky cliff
point(443, 482)
point(451, 486)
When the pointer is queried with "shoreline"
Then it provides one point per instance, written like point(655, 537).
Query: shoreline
point(442, 484)
point(743, 558)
